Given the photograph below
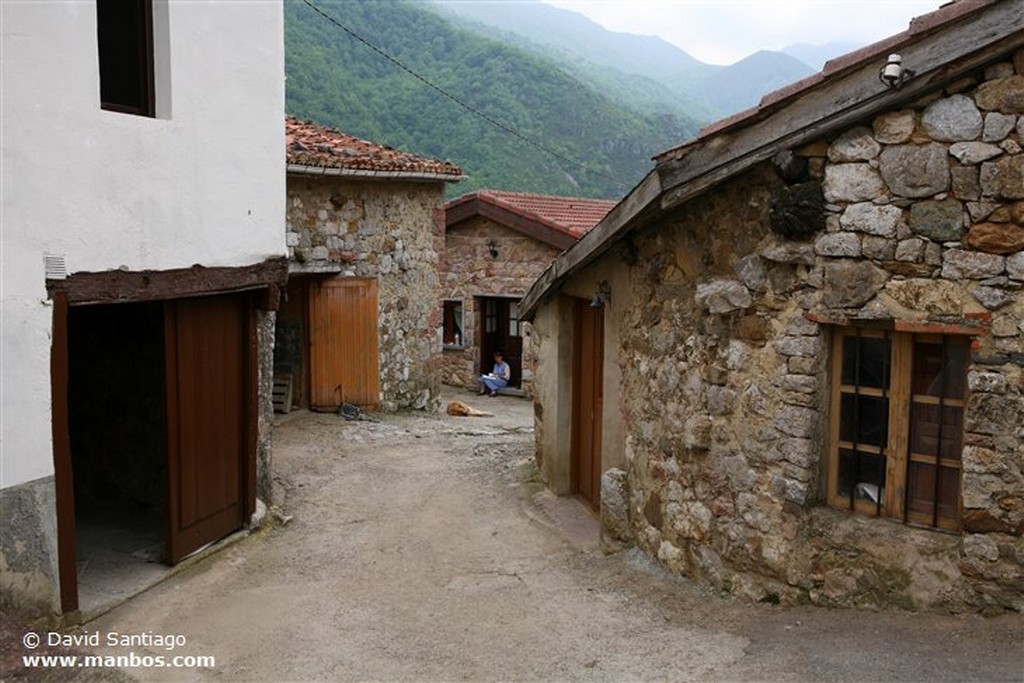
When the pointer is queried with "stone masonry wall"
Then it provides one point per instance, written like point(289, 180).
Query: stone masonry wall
point(726, 343)
point(470, 271)
point(392, 231)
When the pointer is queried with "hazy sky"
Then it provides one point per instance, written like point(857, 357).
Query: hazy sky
point(725, 31)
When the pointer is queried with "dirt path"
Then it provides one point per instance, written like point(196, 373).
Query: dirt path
point(415, 553)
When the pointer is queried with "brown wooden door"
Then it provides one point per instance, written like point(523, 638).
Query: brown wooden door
point(344, 355)
point(587, 400)
point(500, 330)
point(207, 386)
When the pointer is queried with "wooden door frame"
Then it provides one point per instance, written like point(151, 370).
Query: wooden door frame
point(485, 350)
point(63, 472)
point(64, 483)
point(579, 305)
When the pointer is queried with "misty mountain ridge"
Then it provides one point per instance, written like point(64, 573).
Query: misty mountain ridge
point(626, 61)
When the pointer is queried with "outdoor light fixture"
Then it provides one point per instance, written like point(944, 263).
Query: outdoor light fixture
point(492, 248)
point(602, 296)
point(893, 75)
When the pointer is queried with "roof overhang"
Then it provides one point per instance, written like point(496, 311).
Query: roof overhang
point(463, 209)
point(366, 174)
point(841, 96)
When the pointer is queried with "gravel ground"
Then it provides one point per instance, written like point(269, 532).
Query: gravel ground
point(416, 551)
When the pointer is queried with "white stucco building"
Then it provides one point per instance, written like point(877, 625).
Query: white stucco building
point(142, 245)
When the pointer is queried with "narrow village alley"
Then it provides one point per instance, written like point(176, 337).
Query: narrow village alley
point(418, 549)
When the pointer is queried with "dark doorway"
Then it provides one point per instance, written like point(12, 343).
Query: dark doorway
point(587, 401)
point(499, 329)
point(156, 455)
point(118, 437)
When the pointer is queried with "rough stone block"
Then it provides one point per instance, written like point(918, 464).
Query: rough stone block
point(721, 400)
point(856, 144)
point(1003, 94)
point(790, 253)
point(872, 219)
point(915, 171)
point(987, 382)
point(952, 118)
point(880, 248)
point(852, 284)
point(1003, 177)
point(980, 547)
point(996, 238)
point(911, 250)
point(895, 127)
point(798, 346)
point(796, 421)
point(960, 264)
point(942, 221)
point(722, 296)
point(838, 244)
point(997, 126)
point(615, 526)
point(964, 182)
point(970, 153)
point(991, 297)
point(1015, 266)
point(852, 183)
point(801, 384)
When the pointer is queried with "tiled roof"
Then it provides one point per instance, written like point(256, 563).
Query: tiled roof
point(572, 215)
point(312, 146)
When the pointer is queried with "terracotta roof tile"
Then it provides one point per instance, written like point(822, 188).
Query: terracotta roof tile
point(310, 144)
point(575, 215)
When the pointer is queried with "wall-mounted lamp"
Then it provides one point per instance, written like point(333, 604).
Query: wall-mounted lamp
point(893, 75)
point(602, 296)
point(492, 248)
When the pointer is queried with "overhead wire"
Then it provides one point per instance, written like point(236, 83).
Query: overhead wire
point(459, 101)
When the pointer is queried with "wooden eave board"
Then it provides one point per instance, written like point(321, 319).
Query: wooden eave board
point(837, 102)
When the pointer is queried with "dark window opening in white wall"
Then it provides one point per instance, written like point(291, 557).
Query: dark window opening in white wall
point(125, 38)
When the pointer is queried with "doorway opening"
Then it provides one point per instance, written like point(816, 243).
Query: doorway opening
point(500, 330)
point(118, 434)
point(154, 433)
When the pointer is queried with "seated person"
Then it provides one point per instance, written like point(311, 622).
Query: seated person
point(498, 377)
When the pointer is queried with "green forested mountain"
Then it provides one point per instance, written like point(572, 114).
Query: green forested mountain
point(337, 81)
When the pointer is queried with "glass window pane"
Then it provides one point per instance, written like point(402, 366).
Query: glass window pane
point(949, 493)
point(920, 487)
point(863, 474)
point(921, 491)
point(864, 419)
point(869, 367)
point(937, 373)
point(928, 437)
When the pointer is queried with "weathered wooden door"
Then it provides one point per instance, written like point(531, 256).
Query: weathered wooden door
point(499, 330)
point(343, 349)
point(208, 359)
point(587, 402)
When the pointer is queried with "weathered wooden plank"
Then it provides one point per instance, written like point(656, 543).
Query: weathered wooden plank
point(151, 285)
point(629, 213)
point(857, 95)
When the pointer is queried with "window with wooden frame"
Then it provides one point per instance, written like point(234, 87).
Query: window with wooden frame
point(514, 329)
point(453, 324)
point(490, 316)
point(125, 38)
point(897, 422)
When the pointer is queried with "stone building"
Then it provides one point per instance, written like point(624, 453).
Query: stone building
point(806, 383)
point(142, 254)
point(365, 230)
point(496, 244)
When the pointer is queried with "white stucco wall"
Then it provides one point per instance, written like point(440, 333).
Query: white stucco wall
point(203, 183)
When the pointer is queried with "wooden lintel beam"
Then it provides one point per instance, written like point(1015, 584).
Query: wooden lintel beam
point(122, 286)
